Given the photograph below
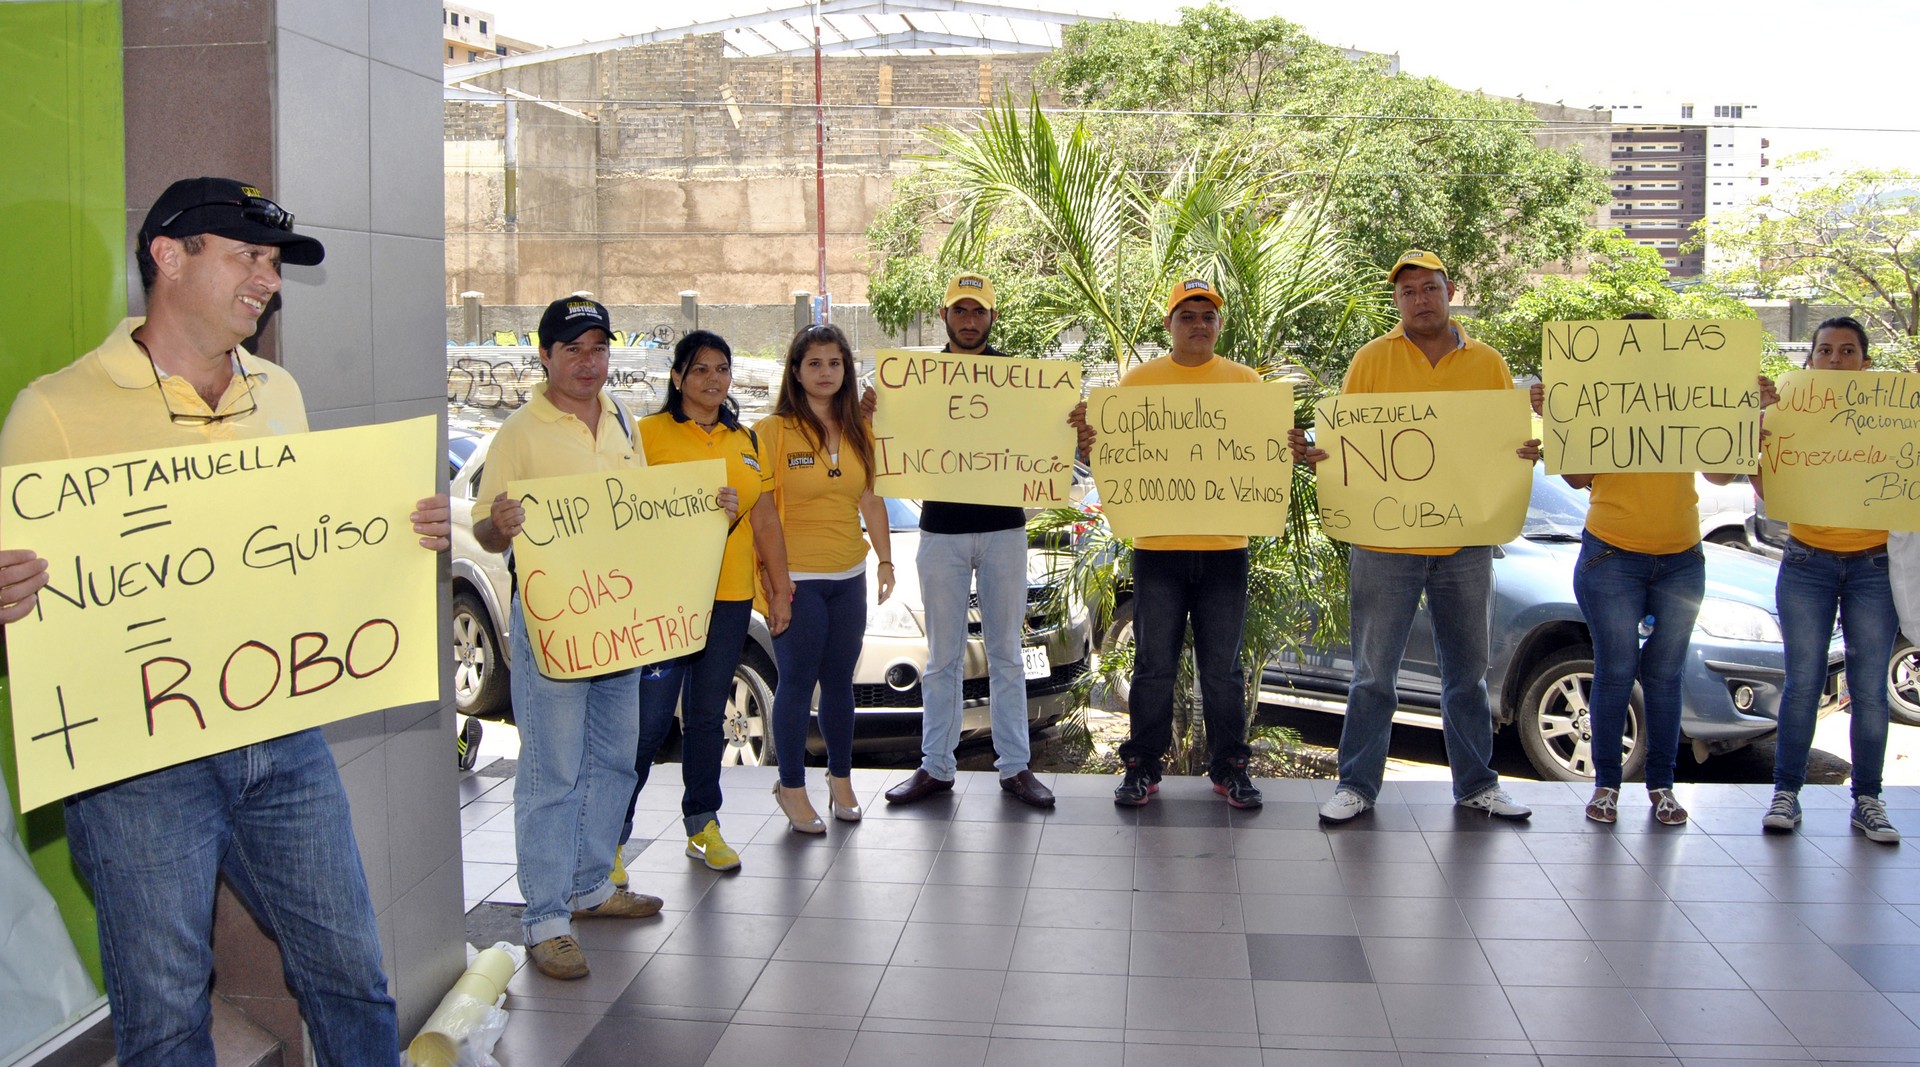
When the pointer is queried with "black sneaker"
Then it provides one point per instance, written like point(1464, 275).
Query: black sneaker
point(1137, 784)
point(466, 745)
point(1237, 787)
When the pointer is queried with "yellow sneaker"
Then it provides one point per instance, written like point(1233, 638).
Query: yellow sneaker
point(710, 847)
point(619, 875)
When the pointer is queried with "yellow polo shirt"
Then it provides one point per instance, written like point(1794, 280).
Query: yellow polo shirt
point(819, 513)
point(1391, 363)
point(1657, 513)
point(112, 400)
point(1836, 538)
point(1216, 371)
point(541, 441)
point(669, 440)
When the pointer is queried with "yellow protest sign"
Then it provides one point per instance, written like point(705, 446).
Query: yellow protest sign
point(1843, 449)
point(618, 568)
point(1651, 395)
point(1193, 459)
point(1423, 470)
point(974, 429)
point(213, 596)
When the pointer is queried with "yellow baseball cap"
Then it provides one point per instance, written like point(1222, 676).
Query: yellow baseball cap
point(969, 287)
point(1191, 288)
point(1414, 257)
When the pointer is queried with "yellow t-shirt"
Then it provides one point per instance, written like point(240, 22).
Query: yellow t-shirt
point(1216, 371)
point(1836, 538)
point(819, 511)
point(1657, 513)
point(112, 400)
point(541, 441)
point(668, 440)
point(1391, 363)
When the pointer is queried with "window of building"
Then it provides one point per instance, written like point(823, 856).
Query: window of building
point(483, 27)
point(1686, 111)
point(473, 57)
point(453, 18)
point(449, 51)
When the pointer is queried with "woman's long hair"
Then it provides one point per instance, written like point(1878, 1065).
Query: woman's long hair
point(793, 404)
point(683, 352)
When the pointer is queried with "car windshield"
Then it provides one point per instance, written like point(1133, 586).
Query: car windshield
point(1556, 511)
point(902, 514)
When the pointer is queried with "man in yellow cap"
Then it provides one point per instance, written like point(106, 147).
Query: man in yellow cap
point(1189, 579)
point(1426, 352)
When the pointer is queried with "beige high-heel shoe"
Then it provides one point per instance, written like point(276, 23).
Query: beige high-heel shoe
point(798, 809)
point(840, 799)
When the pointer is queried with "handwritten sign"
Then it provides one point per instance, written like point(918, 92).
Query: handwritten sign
point(1843, 449)
point(1423, 470)
point(1651, 395)
point(213, 596)
point(617, 569)
point(1196, 459)
point(974, 429)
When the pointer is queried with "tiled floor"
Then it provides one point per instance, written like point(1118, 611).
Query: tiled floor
point(969, 929)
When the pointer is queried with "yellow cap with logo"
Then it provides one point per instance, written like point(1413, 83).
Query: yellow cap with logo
point(969, 286)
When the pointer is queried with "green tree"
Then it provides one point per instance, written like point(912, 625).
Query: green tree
point(1405, 161)
point(1621, 277)
point(1852, 240)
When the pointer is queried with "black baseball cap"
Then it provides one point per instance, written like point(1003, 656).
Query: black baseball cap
point(568, 318)
point(231, 209)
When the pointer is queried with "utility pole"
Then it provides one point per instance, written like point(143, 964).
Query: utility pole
point(820, 160)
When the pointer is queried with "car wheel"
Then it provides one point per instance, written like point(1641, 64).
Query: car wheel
point(1903, 683)
point(1732, 537)
point(1553, 725)
point(479, 674)
point(748, 726)
point(1120, 632)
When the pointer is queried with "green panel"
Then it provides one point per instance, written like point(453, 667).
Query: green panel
point(63, 277)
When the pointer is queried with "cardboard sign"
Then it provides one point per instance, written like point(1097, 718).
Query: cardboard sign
point(213, 596)
point(1651, 395)
point(1195, 459)
point(617, 569)
point(1843, 449)
point(1423, 470)
point(974, 429)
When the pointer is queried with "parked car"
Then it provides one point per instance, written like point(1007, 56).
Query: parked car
point(1769, 536)
point(886, 680)
point(1541, 658)
point(1724, 510)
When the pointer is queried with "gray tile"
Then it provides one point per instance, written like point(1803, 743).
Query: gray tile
point(1823, 884)
point(874, 1049)
point(341, 25)
point(1326, 1057)
point(1032, 1052)
point(1065, 839)
point(1668, 964)
point(863, 900)
point(1408, 917)
point(1101, 909)
point(1602, 881)
point(609, 976)
point(758, 896)
point(1307, 958)
point(1880, 924)
point(1476, 878)
point(407, 345)
point(325, 336)
point(1070, 951)
point(1422, 960)
point(539, 1038)
point(1270, 913)
point(1577, 1014)
point(1708, 883)
point(1294, 1010)
point(1541, 919)
point(1723, 922)
point(1854, 1020)
point(692, 981)
point(1188, 955)
point(1205, 1005)
point(1888, 968)
point(1185, 842)
point(1712, 1017)
point(1394, 879)
point(992, 837)
point(1199, 912)
point(938, 993)
point(1380, 847)
point(743, 1043)
point(1766, 966)
point(1576, 848)
point(669, 1042)
point(880, 865)
point(1480, 1013)
point(1549, 963)
point(1291, 845)
point(1290, 877)
point(911, 834)
point(1185, 874)
point(409, 167)
point(982, 868)
point(1085, 1000)
point(839, 940)
point(807, 988)
point(405, 35)
point(952, 945)
point(983, 905)
point(1082, 872)
point(1468, 849)
point(323, 142)
point(724, 934)
point(1635, 920)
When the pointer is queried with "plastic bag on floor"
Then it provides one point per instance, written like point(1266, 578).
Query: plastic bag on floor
point(1903, 567)
point(462, 1031)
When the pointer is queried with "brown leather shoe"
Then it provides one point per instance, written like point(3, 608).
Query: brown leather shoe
point(919, 787)
point(1028, 788)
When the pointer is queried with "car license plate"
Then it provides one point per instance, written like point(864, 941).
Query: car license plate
point(1034, 659)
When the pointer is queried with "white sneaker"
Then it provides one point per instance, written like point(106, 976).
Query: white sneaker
point(1344, 805)
point(1494, 801)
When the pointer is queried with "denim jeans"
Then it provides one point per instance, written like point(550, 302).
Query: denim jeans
point(1616, 589)
point(1170, 590)
point(1811, 586)
point(1385, 589)
point(273, 819)
point(570, 790)
point(950, 566)
point(819, 648)
point(697, 685)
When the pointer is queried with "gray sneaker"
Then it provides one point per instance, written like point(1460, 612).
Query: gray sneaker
point(1870, 818)
point(1494, 801)
point(1344, 805)
point(1783, 813)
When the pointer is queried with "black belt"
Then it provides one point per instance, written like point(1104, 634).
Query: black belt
point(1877, 550)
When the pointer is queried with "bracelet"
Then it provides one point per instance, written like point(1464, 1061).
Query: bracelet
point(886, 563)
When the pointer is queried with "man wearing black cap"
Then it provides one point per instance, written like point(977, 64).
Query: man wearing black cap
point(271, 817)
point(577, 736)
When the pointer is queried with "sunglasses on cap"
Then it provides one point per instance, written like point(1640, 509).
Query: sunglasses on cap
point(254, 208)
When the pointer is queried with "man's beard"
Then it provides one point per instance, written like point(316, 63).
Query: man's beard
point(953, 338)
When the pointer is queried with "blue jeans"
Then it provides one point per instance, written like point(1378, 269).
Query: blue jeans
point(1811, 587)
point(951, 565)
point(697, 685)
point(1616, 589)
point(1171, 589)
point(1385, 589)
point(819, 648)
point(570, 790)
point(273, 819)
